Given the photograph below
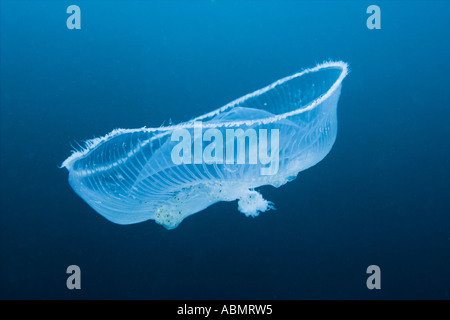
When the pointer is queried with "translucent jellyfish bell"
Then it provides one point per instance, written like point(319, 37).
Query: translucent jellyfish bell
point(169, 173)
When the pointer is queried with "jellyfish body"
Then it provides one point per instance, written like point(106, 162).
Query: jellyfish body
point(169, 173)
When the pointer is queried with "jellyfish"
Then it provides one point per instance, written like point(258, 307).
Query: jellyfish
point(169, 173)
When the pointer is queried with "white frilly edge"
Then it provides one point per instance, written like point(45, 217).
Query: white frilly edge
point(93, 143)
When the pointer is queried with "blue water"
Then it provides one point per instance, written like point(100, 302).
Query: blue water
point(380, 197)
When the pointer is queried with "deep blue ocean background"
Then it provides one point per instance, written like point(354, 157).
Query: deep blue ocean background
point(381, 196)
